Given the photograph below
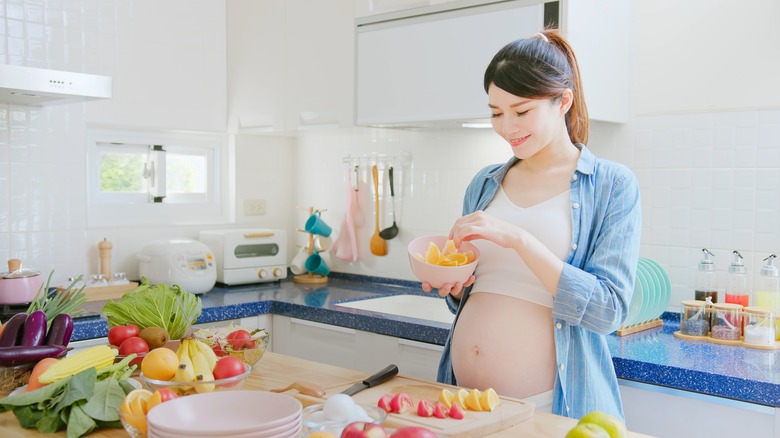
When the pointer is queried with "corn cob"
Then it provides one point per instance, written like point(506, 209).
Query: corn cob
point(99, 357)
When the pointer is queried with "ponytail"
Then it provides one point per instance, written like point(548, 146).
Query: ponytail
point(542, 66)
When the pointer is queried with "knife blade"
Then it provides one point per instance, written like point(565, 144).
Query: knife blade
point(380, 377)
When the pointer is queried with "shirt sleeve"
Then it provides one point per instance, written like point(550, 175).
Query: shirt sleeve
point(597, 296)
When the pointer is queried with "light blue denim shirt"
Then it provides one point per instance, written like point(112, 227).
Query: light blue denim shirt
point(595, 288)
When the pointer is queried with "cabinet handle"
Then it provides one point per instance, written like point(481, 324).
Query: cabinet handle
point(419, 344)
point(248, 235)
point(333, 328)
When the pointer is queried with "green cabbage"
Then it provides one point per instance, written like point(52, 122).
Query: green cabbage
point(159, 305)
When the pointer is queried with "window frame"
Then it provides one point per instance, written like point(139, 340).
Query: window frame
point(104, 210)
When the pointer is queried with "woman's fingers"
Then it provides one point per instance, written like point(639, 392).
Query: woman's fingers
point(426, 287)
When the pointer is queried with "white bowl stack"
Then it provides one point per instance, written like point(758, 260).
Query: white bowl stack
point(229, 414)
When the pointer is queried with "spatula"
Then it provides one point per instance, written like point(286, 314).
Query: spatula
point(377, 244)
point(391, 231)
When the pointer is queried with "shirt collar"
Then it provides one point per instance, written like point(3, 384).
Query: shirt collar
point(586, 164)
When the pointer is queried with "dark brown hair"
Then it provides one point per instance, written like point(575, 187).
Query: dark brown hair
point(542, 67)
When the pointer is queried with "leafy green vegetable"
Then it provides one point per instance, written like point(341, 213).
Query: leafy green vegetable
point(52, 304)
point(160, 305)
point(82, 402)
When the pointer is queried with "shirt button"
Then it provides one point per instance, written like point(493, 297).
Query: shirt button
point(574, 177)
point(558, 325)
point(573, 246)
point(576, 205)
point(561, 367)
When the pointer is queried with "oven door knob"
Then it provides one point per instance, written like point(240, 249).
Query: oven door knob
point(278, 272)
point(262, 273)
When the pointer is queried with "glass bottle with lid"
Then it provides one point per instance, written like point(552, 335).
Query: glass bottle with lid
point(726, 322)
point(736, 286)
point(706, 278)
point(768, 290)
point(759, 326)
point(694, 318)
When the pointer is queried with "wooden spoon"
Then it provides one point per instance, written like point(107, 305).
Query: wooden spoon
point(378, 244)
point(307, 388)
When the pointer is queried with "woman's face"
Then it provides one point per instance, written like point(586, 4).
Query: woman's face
point(528, 125)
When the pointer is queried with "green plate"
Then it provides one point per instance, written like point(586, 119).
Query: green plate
point(647, 298)
point(649, 271)
point(635, 307)
point(666, 284)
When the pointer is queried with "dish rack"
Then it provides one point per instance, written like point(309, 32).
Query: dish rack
point(652, 292)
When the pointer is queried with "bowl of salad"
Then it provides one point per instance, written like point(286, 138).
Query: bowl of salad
point(234, 340)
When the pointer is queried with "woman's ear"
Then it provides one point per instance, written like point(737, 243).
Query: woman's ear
point(567, 98)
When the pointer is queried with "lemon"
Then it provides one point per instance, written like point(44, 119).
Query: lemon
point(472, 400)
point(460, 397)
point(135, 402)
point(449, 248)
point(489, 400)
point(447, 397)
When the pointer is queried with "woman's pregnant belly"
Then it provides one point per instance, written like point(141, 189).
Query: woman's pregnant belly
point(504, 343)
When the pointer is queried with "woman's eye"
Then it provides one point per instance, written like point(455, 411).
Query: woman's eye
point(523, 113)
point(495, 115)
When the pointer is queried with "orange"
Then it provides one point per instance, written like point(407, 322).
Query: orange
point(135, 402)
point(472, 400)
point(433, 254)
point(160, 364)
point(449, 248)
point(489, 400)
point(459, 259)
point(470, 256)
point(39, 368)
point(447, 397)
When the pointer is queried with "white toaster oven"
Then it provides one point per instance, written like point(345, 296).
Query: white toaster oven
point(246, 256)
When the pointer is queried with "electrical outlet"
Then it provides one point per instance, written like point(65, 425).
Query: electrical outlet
point(254, 207)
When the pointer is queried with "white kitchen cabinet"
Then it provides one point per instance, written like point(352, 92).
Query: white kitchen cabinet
point(290, 64)
point(356, 349)
point(424, 65)
point(666, 412)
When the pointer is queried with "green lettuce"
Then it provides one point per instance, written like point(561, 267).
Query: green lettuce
point(160, 305)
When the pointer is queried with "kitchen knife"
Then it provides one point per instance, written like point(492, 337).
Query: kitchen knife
point(382, 376)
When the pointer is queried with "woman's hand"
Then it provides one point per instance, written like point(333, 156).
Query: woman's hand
point(456, 290)
point(480, 225)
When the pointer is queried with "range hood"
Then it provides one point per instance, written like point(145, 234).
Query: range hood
point(31, 86)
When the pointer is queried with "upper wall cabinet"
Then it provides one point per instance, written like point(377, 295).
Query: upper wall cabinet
point(424, 65)
point(290, 64)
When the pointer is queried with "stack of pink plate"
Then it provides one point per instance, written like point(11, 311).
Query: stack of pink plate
point(227, 414)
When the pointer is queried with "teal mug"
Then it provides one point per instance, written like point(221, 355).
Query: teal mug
point(316, 225)
point(316, 265)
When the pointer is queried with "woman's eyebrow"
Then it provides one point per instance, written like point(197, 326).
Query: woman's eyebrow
point(514, 105)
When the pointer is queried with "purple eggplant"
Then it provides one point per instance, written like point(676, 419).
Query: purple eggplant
point(34, 329)
point(12, 331)
point(21, 354)
point(60, 331)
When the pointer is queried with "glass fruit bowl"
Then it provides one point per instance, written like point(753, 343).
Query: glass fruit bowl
point(248, 350)
point(186, 388)
point(135, 425)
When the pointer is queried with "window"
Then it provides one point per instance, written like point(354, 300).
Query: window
point(139, 178)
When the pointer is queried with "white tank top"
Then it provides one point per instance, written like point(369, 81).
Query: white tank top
point(501, 270)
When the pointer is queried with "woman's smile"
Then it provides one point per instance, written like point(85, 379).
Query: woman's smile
point(517, 141)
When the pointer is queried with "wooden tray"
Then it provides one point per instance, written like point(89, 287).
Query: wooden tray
point(511, 411)
point(104, 293)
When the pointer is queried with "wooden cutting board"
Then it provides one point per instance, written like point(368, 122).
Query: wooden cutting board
point(104, 293)
point(510, 412)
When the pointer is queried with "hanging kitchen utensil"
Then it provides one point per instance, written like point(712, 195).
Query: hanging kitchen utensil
point(377, 244)
point(392, 231)
point(357, 214)
point(345, 246)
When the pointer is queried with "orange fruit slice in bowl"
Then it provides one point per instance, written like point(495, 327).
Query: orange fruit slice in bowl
point(459, 259)
point(489, 400)
point(433, 255)
point(449, 248)
point(135, 402)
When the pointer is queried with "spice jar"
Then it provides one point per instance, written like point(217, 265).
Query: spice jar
point(726, 322)
point(759, 326)
point(694, 318)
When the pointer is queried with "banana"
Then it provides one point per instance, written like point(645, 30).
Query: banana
point(186, 370)
point(204, 348)
point(202, 372)
point(183, 349)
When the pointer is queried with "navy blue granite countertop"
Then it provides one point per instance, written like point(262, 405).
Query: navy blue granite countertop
point(652, 356)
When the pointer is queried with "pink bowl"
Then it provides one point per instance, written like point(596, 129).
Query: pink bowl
point(436, 275)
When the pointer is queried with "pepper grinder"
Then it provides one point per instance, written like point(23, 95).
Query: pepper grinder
point(104, 248)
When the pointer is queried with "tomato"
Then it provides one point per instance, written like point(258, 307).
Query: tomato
point(441, 410)
point(425, 408)
point(228, 366)
point(384, 402)
point(133, 344)
point(218, 349)
point(118, 333)
point(240, 339)
point(160, 396)
point(401, 402)
point(456, 411)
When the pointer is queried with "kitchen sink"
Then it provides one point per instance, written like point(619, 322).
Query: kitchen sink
point(411, 306)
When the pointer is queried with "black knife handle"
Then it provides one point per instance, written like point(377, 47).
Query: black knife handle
point(382, 376)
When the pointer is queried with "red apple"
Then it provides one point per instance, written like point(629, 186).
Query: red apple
point(401, 403)
point(361, 429)
point(384, 402)
point(413, 432)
